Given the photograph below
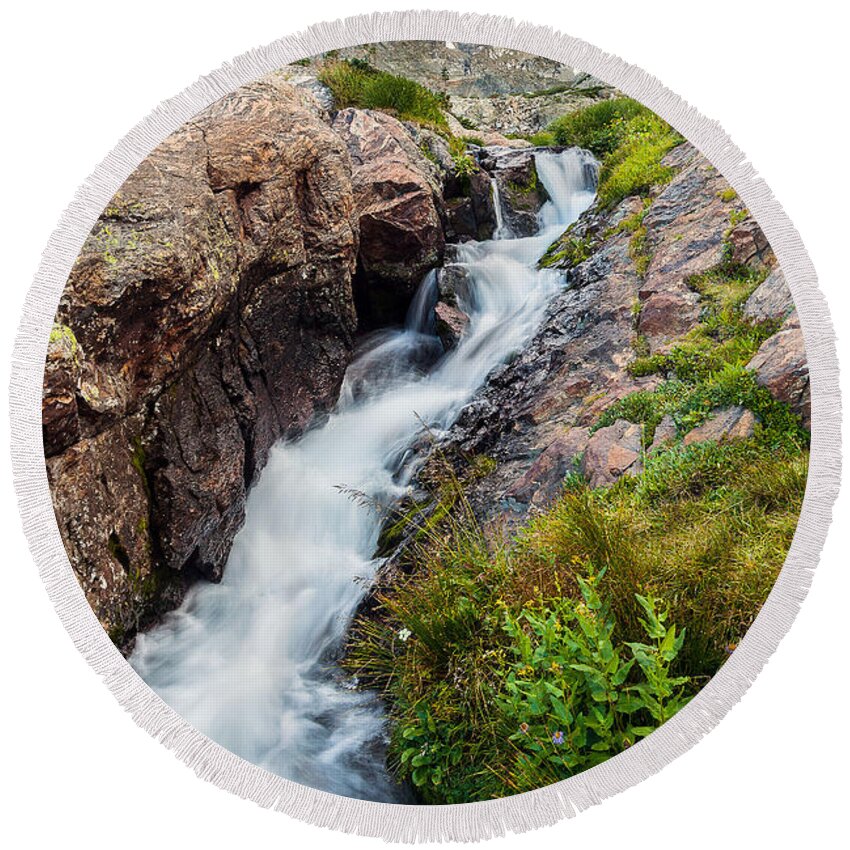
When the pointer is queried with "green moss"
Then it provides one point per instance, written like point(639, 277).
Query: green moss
point(639, 251)
point(62, 335)
point(737, 216)
point(568, 251)
point(727, 195)
point(137, 459)
point(543, 139)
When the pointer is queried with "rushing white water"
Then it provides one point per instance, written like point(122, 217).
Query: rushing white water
point(250, 661)
point(503, 231)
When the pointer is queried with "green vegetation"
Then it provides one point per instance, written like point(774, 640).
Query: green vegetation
point(463, 163)
point(511, 662)
point(629, 140)
point(723, 337)
point(568, 251)
point(543, 139)
point(356, 83)
point(508, 666)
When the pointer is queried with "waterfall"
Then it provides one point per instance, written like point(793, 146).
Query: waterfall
point(250, 661)
point(503, 230)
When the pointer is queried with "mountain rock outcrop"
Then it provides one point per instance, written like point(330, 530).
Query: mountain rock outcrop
point(209, 312)
point(399, 202)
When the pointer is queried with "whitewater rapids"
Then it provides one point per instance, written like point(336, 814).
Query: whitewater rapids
point(250, 661)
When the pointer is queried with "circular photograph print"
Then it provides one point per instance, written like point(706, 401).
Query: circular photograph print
point(426, 422)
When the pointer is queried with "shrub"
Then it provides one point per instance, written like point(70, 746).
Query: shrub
point(576, 692)
point(543, 139)
point(599, 128)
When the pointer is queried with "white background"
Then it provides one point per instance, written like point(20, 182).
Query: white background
point(76, 77)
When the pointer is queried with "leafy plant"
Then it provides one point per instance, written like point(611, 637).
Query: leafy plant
point(576, 693)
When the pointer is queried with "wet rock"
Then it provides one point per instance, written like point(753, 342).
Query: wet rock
point(399, 205)
point(212, 311)
point(453, 284)
point(543, 481)
point(665, 434)
point(772, 299)
point(451, 324)
point(724, 425)
point(612, 452)
point(781, 366)
point(522, 193)
point(471, 214)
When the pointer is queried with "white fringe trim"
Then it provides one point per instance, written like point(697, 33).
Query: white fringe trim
point(472, 821)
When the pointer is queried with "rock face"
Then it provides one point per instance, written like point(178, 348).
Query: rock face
point(521, 191)
point(686, 230)
point(665, 434)
point(519, 114)
point(209, 312)
point(781, 366)
point(472, 70)
point(544, 480)
point(471, 213)
point(399, 204)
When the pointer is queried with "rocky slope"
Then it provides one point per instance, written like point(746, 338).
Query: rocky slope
point(467, 70)
point(493, 93)
point(537, 417)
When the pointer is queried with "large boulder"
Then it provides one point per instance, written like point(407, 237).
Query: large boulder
point(399, 205)
point(521, 191)
point(209, 312)
point(771, 300)
point(612, 452)
point(724, 425)
point(782, 367)
point(542, 482)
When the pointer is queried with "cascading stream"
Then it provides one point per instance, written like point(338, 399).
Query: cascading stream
point(250, 661)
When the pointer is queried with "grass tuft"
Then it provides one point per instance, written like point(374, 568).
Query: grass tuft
point(358, 84)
